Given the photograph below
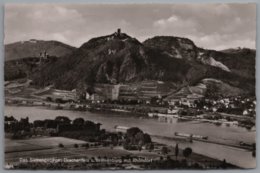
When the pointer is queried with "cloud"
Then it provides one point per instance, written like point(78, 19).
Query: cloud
point(213, 26)
point(165, 22)
point(175, 24)
point(54, 22)
point(60, 37)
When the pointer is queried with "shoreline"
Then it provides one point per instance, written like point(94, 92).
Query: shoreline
point(133, 114)
point(44, 107)
point(87, 107)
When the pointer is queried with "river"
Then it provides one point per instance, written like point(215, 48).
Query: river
point(232, 134)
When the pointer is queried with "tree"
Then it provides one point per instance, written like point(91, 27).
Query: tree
point(134, 135)
point(132, 131)
point(150, 147)
point(164, 150)
point(139, 138)
point(177, 150)
point(224, 164)
point(91, 126)
point(78, 121)
point(187, 152)
point(49, 99)
point(87, 146)
point(63, 119)
point(147, 138)
point(59, 100)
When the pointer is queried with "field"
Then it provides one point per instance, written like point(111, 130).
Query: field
point(47, 147)
point(38, 143)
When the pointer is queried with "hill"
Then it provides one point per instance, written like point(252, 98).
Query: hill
point(121, 59)
point(234, 67)
point(23, 58)
point(239, 61)
point(117, 58)
point(33, 48)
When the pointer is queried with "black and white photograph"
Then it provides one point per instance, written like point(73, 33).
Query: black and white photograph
point(116, 86)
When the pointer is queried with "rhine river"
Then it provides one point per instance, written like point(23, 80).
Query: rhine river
point(232, 134)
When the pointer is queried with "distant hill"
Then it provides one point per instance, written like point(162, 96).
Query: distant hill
point(33, 48)
point(22, 58)
point(239, 61)
point(120, 58)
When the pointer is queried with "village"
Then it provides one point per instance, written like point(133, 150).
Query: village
point(149, 99)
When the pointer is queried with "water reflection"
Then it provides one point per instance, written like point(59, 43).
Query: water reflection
point(169, 120)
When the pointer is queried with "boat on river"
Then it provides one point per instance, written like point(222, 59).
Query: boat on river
point(161, 115)
point(193, 136)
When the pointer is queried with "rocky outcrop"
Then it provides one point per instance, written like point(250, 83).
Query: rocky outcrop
point(120, 58)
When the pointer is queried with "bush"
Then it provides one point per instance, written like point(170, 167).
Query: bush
point(165, 150)
point(61, 145)
point(187, 152)
point(86, 145)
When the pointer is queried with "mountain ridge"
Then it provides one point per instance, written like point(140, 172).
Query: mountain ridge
point(120, 58)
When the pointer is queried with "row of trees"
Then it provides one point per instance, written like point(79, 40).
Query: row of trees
point(24, 128)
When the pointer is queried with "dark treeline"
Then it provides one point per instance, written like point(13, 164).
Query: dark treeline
point(133, 139)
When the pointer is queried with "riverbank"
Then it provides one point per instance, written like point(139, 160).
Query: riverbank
point(44, 151)
point(109, 121)
point(215, 118)
point(140, 110)
point(133, 110)
point(82, 107)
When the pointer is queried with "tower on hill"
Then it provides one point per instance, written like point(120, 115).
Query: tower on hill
point(118, 33)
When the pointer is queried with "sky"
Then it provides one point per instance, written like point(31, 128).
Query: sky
point(210, 26)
